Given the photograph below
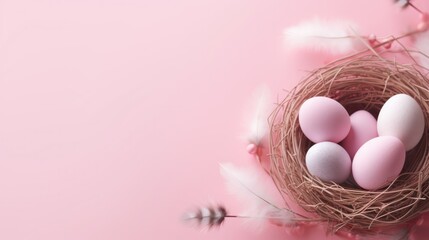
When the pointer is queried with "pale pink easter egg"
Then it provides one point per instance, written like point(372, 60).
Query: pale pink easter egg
point(378, 162)
point(329, 162)
point(363, 128)
point(324, 119)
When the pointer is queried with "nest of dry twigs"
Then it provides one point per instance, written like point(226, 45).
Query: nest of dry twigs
point(358, 82)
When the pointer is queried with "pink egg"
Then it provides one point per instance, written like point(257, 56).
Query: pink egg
point(363, 128)
point(324, 119)
point(378, 162)
point(329, 162)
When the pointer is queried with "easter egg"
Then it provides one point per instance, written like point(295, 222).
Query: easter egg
point(402, 117)
point(378, 162)
point(329, 162)
point(363, 128)
point(324, 119)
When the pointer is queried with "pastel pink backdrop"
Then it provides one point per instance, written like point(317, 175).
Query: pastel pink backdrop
point(115, 114)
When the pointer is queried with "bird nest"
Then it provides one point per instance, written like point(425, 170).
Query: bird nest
point(359, 82)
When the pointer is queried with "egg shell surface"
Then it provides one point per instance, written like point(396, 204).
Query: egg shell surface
point(363, 128)
point(324, 119)
point(329, 162)
point(402, 117)
point(378, 162)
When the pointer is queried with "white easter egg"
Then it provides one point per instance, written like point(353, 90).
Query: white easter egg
point(402, 117)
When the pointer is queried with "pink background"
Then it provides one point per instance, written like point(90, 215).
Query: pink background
point(115, 114)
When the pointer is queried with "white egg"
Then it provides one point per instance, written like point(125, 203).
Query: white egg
point(329, 162)
point(402, 117)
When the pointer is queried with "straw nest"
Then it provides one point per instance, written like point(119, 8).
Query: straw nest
point(359, 82)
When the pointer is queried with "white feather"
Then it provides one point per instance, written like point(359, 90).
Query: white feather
point(332, 36)
point(258, 121)
point(422, 45)
point(252, 191)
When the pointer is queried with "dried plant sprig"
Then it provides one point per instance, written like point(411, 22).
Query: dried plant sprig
point(340, 37)
point(210, 216)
